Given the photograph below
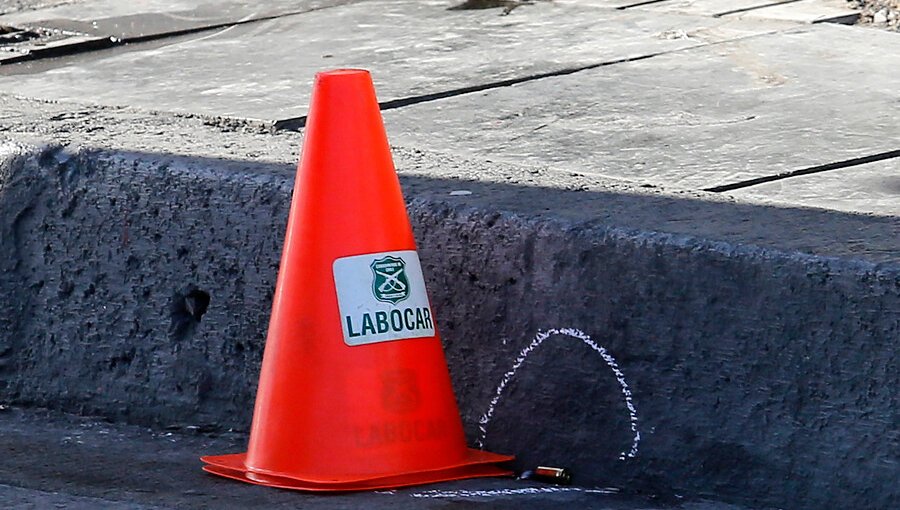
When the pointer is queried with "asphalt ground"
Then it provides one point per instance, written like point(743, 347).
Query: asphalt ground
point(54, 460)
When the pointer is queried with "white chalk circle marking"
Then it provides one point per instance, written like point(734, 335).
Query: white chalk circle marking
point(607, 357)
point(524, 491)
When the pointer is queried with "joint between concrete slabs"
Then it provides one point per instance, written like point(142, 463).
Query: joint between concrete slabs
point(298, 123)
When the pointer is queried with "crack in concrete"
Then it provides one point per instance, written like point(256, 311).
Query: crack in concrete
point(753, 8)
point(837, 165)
point(297, 123)
point(640, 4)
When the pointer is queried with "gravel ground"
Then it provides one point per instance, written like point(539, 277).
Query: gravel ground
point(882, 13)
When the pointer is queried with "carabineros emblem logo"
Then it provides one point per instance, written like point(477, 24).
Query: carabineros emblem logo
point(389, 284)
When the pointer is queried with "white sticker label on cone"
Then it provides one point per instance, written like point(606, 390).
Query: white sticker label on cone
point(381, 297)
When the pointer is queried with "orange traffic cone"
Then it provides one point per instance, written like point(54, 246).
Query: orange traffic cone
point(354, 391)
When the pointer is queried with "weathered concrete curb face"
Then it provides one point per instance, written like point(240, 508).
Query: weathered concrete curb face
point(759, 376)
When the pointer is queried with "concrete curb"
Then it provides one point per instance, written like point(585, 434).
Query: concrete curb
point(755, 375)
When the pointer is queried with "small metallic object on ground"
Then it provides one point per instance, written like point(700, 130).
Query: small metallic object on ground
point(561, 476)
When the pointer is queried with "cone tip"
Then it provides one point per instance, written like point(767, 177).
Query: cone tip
point(341, 72)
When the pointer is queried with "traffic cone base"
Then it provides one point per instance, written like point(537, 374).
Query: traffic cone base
point(479, 464)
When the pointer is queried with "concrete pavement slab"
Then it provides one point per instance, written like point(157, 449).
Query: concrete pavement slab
point(873, 188)
point(264, 70)
point(693, 119)
point(806, 11)
point(36, 499)
point(88, 26)
point(611, 4)
point(130, 19)
point(705, 7)
point(802, 11)
point(10, 6)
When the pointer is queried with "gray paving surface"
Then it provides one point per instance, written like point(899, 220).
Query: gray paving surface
point(723, 100)
point(693, 119)
point(130, 19)
point(72, 27)
point(12, 6)
point(871, 188)
point(59, 461)
point(264, 71)
point(808, 11)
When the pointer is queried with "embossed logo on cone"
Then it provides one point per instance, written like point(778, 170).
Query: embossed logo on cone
point(389, 283)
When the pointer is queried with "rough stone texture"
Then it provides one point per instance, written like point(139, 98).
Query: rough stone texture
point(109, 262)
point(881, 13)
point(760, 375)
